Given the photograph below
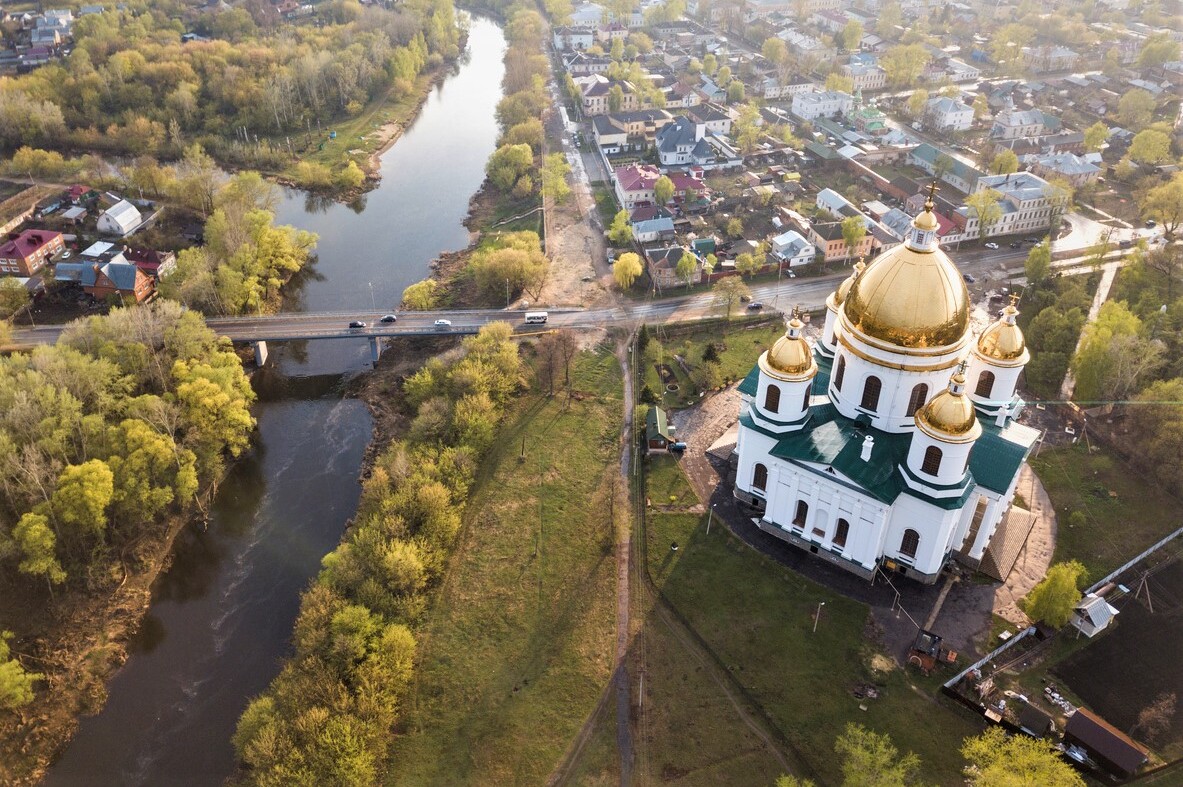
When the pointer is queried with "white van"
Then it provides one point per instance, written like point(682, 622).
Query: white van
point(536, 318)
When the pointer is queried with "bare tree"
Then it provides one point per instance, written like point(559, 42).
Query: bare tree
point(1155, 718)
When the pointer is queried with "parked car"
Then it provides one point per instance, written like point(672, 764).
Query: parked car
point(992, 246)
point(755, 306)
point(1151, 223)
point(678, 447)
point(357, 324)
point(1016, 245)
point(443, 323)
point(968, 279)
point(744, 298)
point(388, 318)
point(66, 254)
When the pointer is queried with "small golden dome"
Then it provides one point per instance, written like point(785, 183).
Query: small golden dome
point(950, 415)
point(910, 298)
point(1003, 340)
point(791, 358)
point(844, 288)
point(927, 220)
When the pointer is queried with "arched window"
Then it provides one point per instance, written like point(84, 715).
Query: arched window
point(918, 398)
point(932, 460)
point(839, 372)
point(871, 389)
point(985, 384)
point(802, 513)
point(910, 543)
point(808, 393)
point(841, 533)
point(760, 477)
point(772, 398)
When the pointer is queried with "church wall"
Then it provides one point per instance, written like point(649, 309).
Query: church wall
point(936, 527)
point(892, 414)
point(1006, 381)
point(953, 461)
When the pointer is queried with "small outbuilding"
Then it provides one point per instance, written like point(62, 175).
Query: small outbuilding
point(657, 431)
point(1035, 722)
point(1106, 745)
point(1092, 615)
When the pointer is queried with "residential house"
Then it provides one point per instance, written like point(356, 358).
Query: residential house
point(658, 434)
point(828, 103)
point(836, 205)
point(1013, 123)
point(629, 132)
point(1115, 751)
point(102, 280)
point(1025, 204)
point(634, 185)
point(120, 219)
point(653, 230)
point(960, 71)
point(576, 38)
point(948, 114)
point(1092, 615)
point(663, 264)
point(684, 143)
point(26, 253)
point(710, 91)
point(1050, 58)
point(791, 247)
point(597, 95)
point(610, 32)
point(827, 236)
point(1077, 170)
point(866, 77)
point(588, 15)
point(157, 264)
point(716, 120)
point(582, 64)
point(802, 45)
point(953, 171)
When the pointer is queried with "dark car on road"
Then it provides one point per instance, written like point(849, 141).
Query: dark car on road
point(755, 305)
point(968, 279)
point(357, 324)
point(388, 318)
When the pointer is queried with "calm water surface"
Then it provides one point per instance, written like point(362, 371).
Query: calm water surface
point(221, 617)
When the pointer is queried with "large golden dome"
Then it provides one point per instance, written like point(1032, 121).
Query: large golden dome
point(791, 358)
point(1003, 340)
point(911, 296)
point(950, 416)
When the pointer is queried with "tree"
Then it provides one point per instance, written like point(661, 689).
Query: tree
point(851, 35)
point(904, 64)
point(729, 291)
point(36, 543)
point(351, 176)
point(620, 232)
point(1164, 204)
point(775, 51)
point(793, 781)
point(869, 759)
point(14, 296)
point(1135, 109)
point(615, 98)
point(710, 64)
point(1155, 719)
point(663, 190)
point(1053, 599)
point(1006, 45)
point(854, 229)
point(734, 227)
point(1114, 357)
point(1000, 760)
point(686, 268)
point(554, 176)
point(626, 269)
point(421, 296)
point(80, 501)
point(735, 92)
point(917, 103)
point(1159, 48)
point(981, 107)
point(1039, 263)
point(1095, 136)
point(1156, 424)
point(1059, 194)
point(747, 264)
point(508, 164)
point(840, 82)
point(16, 685)
point(1005, 163)
point(528, 132)
point(986, 207)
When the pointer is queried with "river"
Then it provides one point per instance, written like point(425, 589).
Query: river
point(221, 617)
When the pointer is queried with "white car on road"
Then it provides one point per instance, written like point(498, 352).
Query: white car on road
point(992, 246)
point(443, 323)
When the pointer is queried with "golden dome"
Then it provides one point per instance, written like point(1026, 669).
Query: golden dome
point(1003, 340)
point(927, 220)
point(950, 416)
point(910, 298)
point(844, 288)
point(791, 357)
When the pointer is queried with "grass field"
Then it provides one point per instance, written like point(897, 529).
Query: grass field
point(518, 644)
point(668, 485)
point(757, 617)
point(1123, 513)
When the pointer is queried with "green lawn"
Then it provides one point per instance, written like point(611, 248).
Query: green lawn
point(1123, 512)
point(517, 647)
point(757, 617)
point(668, 485)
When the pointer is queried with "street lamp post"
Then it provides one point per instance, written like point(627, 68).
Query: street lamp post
point(818, 616)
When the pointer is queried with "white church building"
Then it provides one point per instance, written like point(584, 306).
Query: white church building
point(892, 444)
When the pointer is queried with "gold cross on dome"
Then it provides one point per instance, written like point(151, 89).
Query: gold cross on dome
point(932, 191)
point(1014, 299)
point(961, 367)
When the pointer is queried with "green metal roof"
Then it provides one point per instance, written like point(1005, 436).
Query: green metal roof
point(655, 424)
point(751, 383)
point(999, 453)
point(821, 383)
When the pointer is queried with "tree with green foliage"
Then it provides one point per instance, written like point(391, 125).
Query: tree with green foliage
point(615, 98)
point(851, 36)
point(986, 207)
point(730, 291)
point(917, 103)
point(1095, 136)
point(734, 227)
point(870, 759)
point(904, 63)
point(16, 685)
point(981, 107)
point(1005, 162)
point(421, 296)
point(663, 190)
point(1006, 45)
point(508, 164)
point(620, 232)
point(1159, 48)
point(687, 267)
point(997, 759)
point(793, 781)
point(1156, 424)
point(351, 176)
point(775, 51)
point(554, 177)
point(747, 264)
point(1135, 109)
point(79, 503)
point(854, 229)
point(840, 82)
point(1164, 204)
point(1053, 599)
point(735, 92)
point(36, 544)
point(1115, 358)
point(515, 258)
point(626, 269)
point(14, 296)
point(528, 132)
point(1039, 263)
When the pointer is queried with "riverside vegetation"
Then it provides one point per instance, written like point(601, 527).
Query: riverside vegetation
point(251, 95)
point(327, 718)
point(105, 439)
